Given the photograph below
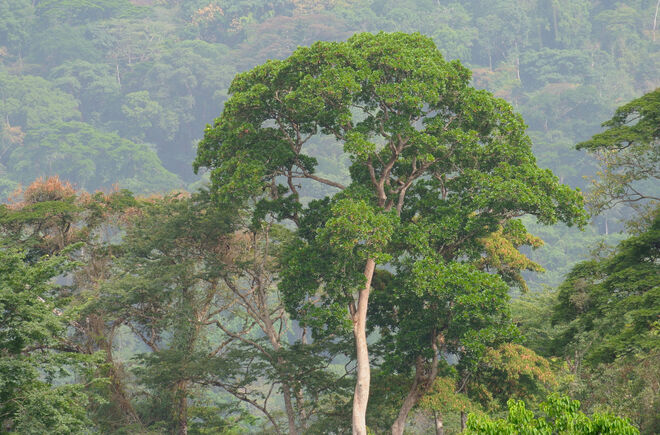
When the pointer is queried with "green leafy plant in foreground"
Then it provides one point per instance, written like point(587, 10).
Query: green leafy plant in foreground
point(561, 416)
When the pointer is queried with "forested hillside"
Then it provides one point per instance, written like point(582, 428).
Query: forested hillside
point(116, 92)
point(195, 212)
point(110, 82)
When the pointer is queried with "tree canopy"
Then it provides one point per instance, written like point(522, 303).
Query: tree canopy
point(362, 185)
point(629, 151)
point(436, 165)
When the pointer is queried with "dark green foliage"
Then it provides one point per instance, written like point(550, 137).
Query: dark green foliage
point(484, 139)
point(34, 358)
point(464, 306)
point(614, 300)
point(633, 123)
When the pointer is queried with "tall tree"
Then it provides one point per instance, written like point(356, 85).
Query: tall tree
point(196, 286)
point(47, 225)
point(435, 306)
point(52, 218)
point(166, 289)
point(432, 309)
point(629, 150)
point(410, 122)
point(610, 305)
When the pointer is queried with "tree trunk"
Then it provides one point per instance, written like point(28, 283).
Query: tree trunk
point(463, 420)
point(607, 230)
point(421, 384)
point(290, 413)
point(275, 342)
point(119, 396)
point(182, 411)
point(359, 317)
point(300, 402)
point(413, 397)
point(655, 18)
point(439, 426)
point(554, 21)
point(98, 337)
point(517, 61)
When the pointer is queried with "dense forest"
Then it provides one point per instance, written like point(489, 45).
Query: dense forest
point(329, 216)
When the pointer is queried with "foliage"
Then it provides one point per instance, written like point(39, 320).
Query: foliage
point(461, 308)
point(562, 416)
point(610, 304)
point(42, 137)
point(442, 397)
point(195, 287)
point(49, 216)
point(502, 253)
point(238, 137)
point(34, 359)
point(436, 167)
point(92, 159)
point(165, 289)
point(629, 154)
point(115, 91)
point(627, 387)
point(605, 48)
point(15, 24)
point(511, 371)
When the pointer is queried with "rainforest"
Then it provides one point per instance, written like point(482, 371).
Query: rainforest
point(329, 217)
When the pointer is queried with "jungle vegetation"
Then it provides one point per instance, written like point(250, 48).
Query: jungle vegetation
point(329, 216)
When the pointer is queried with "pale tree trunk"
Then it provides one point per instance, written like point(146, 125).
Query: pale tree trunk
point(359, 317)
point(607, 230)
point(463, 420)
point(517, 61)
point(554, 21)
point(439, 426)
point(655, 18)
point(359, 313)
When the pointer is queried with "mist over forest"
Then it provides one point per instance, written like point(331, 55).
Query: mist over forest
point(329, 216)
